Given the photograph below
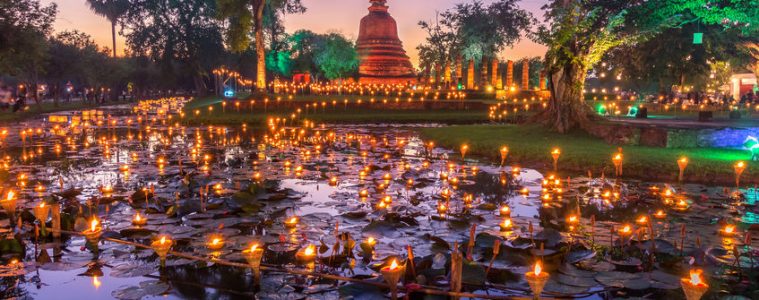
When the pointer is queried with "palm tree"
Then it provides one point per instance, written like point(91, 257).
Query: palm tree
point(111, 10)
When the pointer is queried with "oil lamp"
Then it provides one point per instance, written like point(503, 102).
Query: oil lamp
point(363, 193)
point(40, 212)
point(253, 256)
point(682, 163)
point(506, 224)
point(392, 274)
point(306, 255)
point(642, 220)
point(161, 247)
point(694, 287)
point(660, 214)
point(107, 190)
point(515, 171)
point(215, 242)
point(728, 230)
point(333, 181)
point(504, 153)
point(537, 279)
point(505, 211)
point(9, 203)
point(139, 220)
point(572, 221)
point(93, 233)
point(555, 155)
point(739, 168)
point(291, 223)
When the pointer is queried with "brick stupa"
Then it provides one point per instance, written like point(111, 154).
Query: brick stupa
point(380, 51)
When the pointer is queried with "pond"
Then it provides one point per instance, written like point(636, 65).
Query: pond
point(360, 197)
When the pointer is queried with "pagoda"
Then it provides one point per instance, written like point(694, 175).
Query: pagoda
point(382, 59)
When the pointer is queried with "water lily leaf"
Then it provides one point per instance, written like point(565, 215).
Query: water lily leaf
point(133, 270)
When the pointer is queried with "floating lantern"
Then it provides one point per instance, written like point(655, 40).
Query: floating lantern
point(442, 208)
point(392, 274)
point(505, 211)
point(728, 230)
point(363, 193)
point(505, 225)
point(9, 203)
point(139, 220)
point(504, 153)
point(333, 181)
point(694, 287)
point(306, 255)
point(537, 279)
point(739, 168)
point(555, 153)
point(93, 233)
point(291, 223)
point(253, 256)
point(215, 242)
point(642, 220)
point(660, 214)
point(682, 163)
point(161, 247)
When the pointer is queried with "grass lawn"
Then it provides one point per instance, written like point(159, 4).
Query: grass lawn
point(331, 114)
point(530, 146)
point(47, 107)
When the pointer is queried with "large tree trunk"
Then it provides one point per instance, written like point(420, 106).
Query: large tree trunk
point(113, 36)
point(258, 5)
point(566, 106)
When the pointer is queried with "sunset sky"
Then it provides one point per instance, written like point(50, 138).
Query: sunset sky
point(322, 16)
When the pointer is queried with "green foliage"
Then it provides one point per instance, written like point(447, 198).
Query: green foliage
point(24, 25)
point(182, 36)
point(331, 55)
point(473, 30)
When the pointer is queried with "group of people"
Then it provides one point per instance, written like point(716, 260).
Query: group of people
point(8, 101)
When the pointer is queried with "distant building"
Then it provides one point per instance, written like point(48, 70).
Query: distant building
point(741, 84)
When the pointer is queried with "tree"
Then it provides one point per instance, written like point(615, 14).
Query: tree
point(474, 31)
point(244, 15)
point(111, 10)
point(579, 32)
point(337, 57)
point(332, 55)
point(183, 37)
point(24, 26)
point(670, 59)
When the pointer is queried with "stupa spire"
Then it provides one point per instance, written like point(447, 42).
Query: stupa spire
point(381, 54)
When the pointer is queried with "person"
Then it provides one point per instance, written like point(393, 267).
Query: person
point(20, 102)
point(5, 97)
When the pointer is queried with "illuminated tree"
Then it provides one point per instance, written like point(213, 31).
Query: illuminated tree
point(579, 32)
point(244, 16)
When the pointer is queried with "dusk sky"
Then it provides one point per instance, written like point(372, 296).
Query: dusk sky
point(322, 16)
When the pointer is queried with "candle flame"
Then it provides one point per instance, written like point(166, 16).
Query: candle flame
point(729, 228)
point(215, 241)
point(538, 268)
point(253, 248)
point(93, 225)
point(310, 250)
point(95, 282)
point(163, 240)
point(137, 217)
point(10, 196)
point(626, 229)
point(293, 220)
point(695, 277)
point(394, 265)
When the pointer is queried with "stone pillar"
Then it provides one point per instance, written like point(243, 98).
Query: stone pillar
point(447, 73)
point(484, 74)
point(525, 75)
point(499, 79)
point(438, 73)
point(509, 73)
point(542, 84)
point(459, 70)
point(494, 73)
point(470, 75)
